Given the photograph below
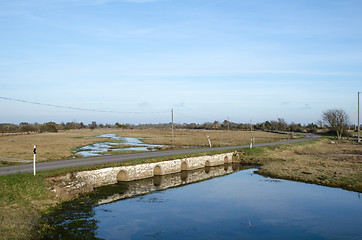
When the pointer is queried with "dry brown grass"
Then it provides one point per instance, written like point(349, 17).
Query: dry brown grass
point(53, 146)
point(50, 146)
point(337, 164)
point(218, 138)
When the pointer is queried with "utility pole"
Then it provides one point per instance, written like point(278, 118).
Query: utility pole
point(358, 135)
point(172, 124)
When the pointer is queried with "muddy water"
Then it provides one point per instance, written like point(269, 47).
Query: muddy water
point(238, 205)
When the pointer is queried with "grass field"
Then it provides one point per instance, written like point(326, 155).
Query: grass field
point(328, 162)
point(54, 146)
point(24, 198)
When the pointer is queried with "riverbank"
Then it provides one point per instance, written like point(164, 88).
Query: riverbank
point(24, 198)
point(327, 162)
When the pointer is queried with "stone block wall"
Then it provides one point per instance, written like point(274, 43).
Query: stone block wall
point(106, 176)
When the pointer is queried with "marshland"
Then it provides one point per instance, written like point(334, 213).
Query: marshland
point(25, 199)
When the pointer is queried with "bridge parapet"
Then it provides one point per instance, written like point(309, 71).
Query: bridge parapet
point(112, 175)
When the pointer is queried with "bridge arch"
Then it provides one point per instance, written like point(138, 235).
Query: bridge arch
point(207, 163)
point(226, 160)
point(122, 176)
point(236, 158)
point(183, 166)
point(157, 170)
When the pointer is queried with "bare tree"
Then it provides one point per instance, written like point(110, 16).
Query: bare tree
point(93, 125)
point(336, 119)
point(282, 124)
point(320, 123)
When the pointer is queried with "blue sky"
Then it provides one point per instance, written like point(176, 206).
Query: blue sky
point(251, 60)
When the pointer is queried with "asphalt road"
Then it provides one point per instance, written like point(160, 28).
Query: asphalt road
point(77, 162)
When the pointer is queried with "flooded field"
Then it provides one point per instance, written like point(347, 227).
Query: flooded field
point(122, 144)
point(65, 144)
point(225, 202)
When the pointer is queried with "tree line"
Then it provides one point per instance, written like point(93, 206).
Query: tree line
point(333, 120)
point(278, 124)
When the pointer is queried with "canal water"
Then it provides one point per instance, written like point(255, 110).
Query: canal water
point(230, 203)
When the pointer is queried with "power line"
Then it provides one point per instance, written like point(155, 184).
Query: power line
point(76, 108)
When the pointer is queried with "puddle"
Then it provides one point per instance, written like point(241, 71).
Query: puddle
point(98, 149)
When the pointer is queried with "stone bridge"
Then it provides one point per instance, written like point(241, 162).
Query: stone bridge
point(81, 182)
point(106, 176)
point(159, 183)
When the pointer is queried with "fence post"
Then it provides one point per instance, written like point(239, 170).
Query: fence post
point(34, 151)
point(209, 141)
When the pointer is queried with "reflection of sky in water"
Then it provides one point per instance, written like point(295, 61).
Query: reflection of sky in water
point(237, 206)
point(96, 148)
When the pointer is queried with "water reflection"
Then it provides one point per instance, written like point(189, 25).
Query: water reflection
point(241, 205)
point(75, 219)
point(157, 183)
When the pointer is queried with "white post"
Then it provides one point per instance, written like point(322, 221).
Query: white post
point(358, 127)
point(251, 143)
point(34, 151)
point(209, 141)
